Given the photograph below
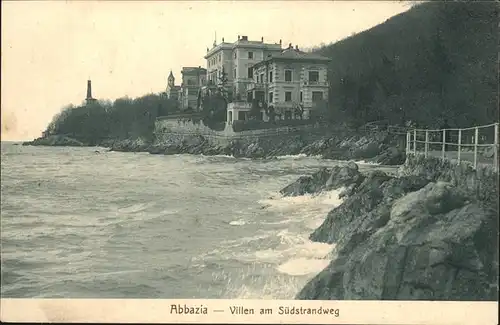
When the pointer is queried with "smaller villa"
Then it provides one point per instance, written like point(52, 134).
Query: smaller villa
point(193, 78)
point(289, 84)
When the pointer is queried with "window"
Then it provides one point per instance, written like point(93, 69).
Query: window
point(313, 76)
point(288, 75)
point(270, 97)
point(250, 55)
point(262, 77)
point(235, 54)
point(288, 96)
point(250, 72)
point(257, 79)
point(317, 96)
point(301, 100)
point(234, 73)
point(270, 76)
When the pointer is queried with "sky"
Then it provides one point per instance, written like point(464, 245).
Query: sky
point(127, 48)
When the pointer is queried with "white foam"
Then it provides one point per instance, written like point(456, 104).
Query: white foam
point(244, 240)
point(303, 266)
point(286, 259)
point(363, 162)
point(323, 201)
point(281, 222)
point(301, 155)
point(134, 208)
point(237, 222)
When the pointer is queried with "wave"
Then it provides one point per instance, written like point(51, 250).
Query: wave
point(237, 222)
point(276, 262)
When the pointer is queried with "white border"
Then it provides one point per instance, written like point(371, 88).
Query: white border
point(159, 311)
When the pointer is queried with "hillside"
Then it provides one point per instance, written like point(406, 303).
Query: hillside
point(438, 60)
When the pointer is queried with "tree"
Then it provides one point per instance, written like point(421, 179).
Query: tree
point(121, 119)
point(255, 110)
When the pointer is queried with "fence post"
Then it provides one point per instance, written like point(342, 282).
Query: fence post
point(476, 142)
point(426, 143)
point(459, 143)
point(414, 141)
point(443, 154)
point(495, 150)
point(407, 143)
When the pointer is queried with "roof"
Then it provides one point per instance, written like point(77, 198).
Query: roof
point(245, 43)
point(193, 70)
point(294, 54)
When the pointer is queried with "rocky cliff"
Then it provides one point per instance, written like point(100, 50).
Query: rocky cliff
point(420, 235)
point(381, 147)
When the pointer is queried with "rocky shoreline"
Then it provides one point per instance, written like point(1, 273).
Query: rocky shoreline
point(381, 147)
point(414, 236)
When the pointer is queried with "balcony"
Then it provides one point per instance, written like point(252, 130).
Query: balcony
point(307, 83)
point(239, 105)
point(285, 105)
point(256, 86)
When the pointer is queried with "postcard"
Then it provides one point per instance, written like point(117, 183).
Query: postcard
point(285, 162)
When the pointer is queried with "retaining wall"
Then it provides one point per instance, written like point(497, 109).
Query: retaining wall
point(186, 128)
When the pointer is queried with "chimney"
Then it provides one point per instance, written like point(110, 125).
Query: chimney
point(238, 37)
point(280, 42)
point(290, 46)
point(297, 47)
point(223, 40)
point(89, 89)
point(262, 39)
point(244, 38)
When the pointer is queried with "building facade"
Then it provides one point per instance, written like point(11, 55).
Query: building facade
point(236, 60)
point(193, 78)
point(290, 83)
point(172, 90)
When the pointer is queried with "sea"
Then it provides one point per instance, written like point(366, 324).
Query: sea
point(90, 223)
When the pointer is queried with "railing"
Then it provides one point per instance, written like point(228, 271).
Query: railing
point(256, 86)
point(478, 144)
point(232, 135)
point(392, 129)
point(308, 83)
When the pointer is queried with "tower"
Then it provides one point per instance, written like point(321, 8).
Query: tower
point(171, 80)
point(89, 98)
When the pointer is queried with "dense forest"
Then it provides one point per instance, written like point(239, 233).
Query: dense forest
point(437, 61)
point(124, 118)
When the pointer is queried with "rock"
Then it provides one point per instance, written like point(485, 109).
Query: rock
point(343, 176)
point(489, 152)
point(254, 150)
point(55, 140)
point(363, 198)
point(366, 150)
point(391, 156)
point(397, 239)
point(307, 184)
point(325, 180)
